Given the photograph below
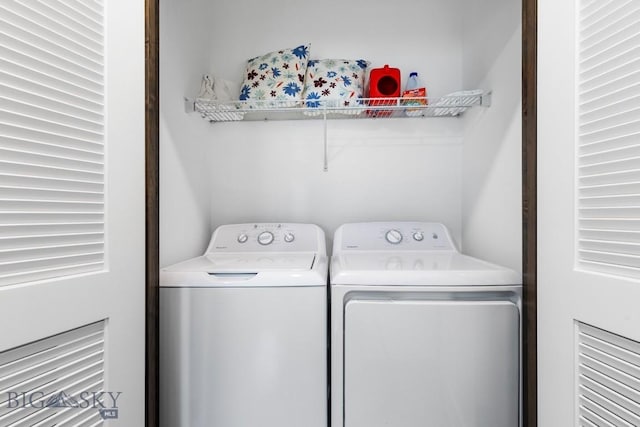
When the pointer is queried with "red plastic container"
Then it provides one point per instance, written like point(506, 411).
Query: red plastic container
point(383, 83)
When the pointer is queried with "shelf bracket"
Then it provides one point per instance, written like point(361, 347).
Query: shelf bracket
point(189, 105)
point(326, 143)
point(485, 99)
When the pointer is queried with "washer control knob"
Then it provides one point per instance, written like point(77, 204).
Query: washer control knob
point(265, 238)
point(393, 236)
point(418, 236)
point(289, 237)
point(242, 238)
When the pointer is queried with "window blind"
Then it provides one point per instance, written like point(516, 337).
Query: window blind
point(51, 139)
point(608, 378)
point(608, 120)
point(52, 381)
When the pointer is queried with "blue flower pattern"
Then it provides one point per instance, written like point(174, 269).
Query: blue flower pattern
point(301, 52)
point(292, 89)
point(313, 100)
point(334, 82)
point(245, 92)
point(276, 76)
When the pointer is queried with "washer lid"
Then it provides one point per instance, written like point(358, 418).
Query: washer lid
point(254, 263)
point(247, 270)
point(423, 268)
point(246, 263)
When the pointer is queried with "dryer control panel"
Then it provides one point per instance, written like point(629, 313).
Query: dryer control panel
point(267, 237)
point(395, 235)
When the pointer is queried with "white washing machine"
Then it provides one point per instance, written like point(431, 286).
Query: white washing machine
point(421, 335)
point(243, 330)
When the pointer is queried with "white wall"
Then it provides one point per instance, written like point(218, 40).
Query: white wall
point(413, 35)
point(184, 144)
point(268, 172)
point(411, 169)
point(378, 170)
point(492, 197)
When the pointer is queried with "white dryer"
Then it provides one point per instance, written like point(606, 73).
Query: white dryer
point(243, 330)
point(421, 335)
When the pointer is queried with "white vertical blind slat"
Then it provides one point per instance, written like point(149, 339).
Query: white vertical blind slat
point(42, 76)
point(40, 16)
point(51, 91)
point(52, 10)
point(606, 87)
point(50, 219)
point(90, 21)
point(608, 115)
point(39, 183)
point(590, 18)
point(15, 131)
point(612, 109)
point(32, 54)
point(52, 270)
point(46, 172)
point(27, 230)
point(69, 152)
point(40, 40)
point(621, 18)
point(49, 161)
point(51, 31)
point(51, 140)
point(84, 9)
point(52, 125)
point(628, 66)
point(42, 114)
point(69, 108)
point(30, 242)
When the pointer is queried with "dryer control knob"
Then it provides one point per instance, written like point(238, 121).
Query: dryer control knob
point(265, 238)
point(289, 237)
point(242, 238)
point(393, 236)
point(418, 236)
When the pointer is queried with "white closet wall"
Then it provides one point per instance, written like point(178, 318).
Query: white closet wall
point(184, 139)
point(492, 154)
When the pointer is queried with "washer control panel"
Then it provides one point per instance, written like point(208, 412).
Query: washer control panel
point(417, 236)
point(259, 237)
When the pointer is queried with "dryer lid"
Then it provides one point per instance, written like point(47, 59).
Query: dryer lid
point(420, 268)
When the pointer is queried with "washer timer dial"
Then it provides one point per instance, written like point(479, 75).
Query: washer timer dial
point(265, 238)
point(393, 236)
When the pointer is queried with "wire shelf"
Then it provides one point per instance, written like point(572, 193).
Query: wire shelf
point(452, 105)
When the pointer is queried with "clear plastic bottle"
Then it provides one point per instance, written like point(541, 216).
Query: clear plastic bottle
point(414, 89)
point(413, 82)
